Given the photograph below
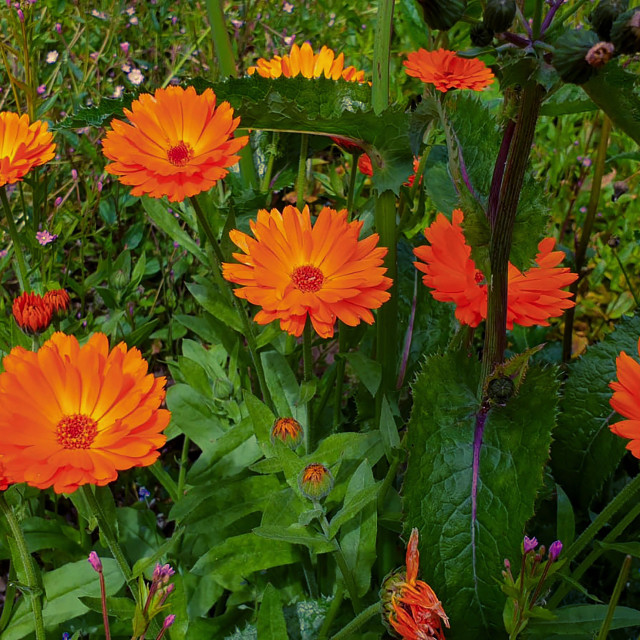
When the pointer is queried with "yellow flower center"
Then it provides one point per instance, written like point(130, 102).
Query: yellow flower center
point(308, 278)
point(76, 431)
point(180, 154)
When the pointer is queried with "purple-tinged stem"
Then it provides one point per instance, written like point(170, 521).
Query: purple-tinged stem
point(481, 420)
point(103, 597)
point(549, 17)
point(465, 174)
point(498, 171)
point(516, 39)
point(409, 335)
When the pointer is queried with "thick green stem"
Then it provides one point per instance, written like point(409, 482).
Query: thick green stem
point(226, 289)
point(615, 596)
point(26, 560)
point(585, 237)
point(307, 359)
point(334, 607)
point(227, 64)
point(23, 278)
point(109, 536)
point(340, 366)
point(352, 183)
point(626, 277)
point(184, 459)
point(537, 19)
point(347, 631)
point(502, 226)
point(381, 53)
point(302, 171)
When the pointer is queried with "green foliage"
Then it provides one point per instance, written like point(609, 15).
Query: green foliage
point(462, 559)
point(585, 453)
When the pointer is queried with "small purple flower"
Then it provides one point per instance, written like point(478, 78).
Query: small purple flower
point(74, 174)
point(65, 636)
point(529, 544)
point(99, 186)
point(94, 561)
point(168, 621)
point(56, 203)
point(3, 253)
point(45, 238)
point(162, 573)
point(58, 27)
point(554, 550)
point(41, 90)
point(583, 209)
point(587, 162)
point(125, 47)
point(143, 494)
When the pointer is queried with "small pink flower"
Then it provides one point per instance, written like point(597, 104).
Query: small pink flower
point(135, 77)
point(41, 90)
point(94, 561)
point(52, 57)
point(124, 46)
point(58, 27)
point(44, 237)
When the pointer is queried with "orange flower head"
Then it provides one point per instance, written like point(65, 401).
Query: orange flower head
point(294, 270)
point(446, 70)
point(315, 481)
point(58, 300)
point(22, 146)
point(410, 606)
point(84, 413)
point(364, 164)
point(626, 401)
point(302, 61)
point(4, 481)
point(32, 313)
point(178, 144)
point(287, 430)
point(534, 295)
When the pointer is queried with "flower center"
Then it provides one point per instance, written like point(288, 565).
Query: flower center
point(180, 154)
point(76, 431)
point(308, 278)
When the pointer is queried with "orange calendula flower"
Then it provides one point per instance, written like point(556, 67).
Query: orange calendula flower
point(32, 313)
point(84, 413)
point(288, 430)
point(178, 144)
point(302, 61)
point(58, 300)
point(534, 295)
point(410, 605)
point(626, 401)
point(446, 70)
point(315, 481)
point(22, 146)
point(295, 270)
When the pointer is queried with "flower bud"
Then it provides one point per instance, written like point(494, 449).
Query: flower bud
point(315, 481)
point(287, 430)
point(94, 561)
point(529, 544)
point(554, 550)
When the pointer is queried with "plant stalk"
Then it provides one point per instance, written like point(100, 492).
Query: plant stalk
point(615, 596)
point(302, 171)
point(347, 631)
point(23, 278)
point(307, 359)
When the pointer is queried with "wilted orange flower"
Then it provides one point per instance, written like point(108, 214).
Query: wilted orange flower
point(315, 481)
point(84, 413)
point(534, 295)
point(410, 605)
point(288, 430)
point(22, 146)
point(364, 165)
point(294, 269)
point(446, 70)
point(32, 313)
point(626, 400)
point(57, 299)
point(302, 61)
point(177, 145)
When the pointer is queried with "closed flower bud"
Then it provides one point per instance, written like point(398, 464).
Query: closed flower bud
point(442, 14)
point(287, 430)
point(554, 550)
point(500, 390)
point(315, 481)
point(95, 562)
point(32, 313)
point(499, 14)
point(481, 35)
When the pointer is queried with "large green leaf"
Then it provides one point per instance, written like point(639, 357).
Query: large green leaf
point(582, 621)
point(461, 559)
point(585, 453)
point(271, 622)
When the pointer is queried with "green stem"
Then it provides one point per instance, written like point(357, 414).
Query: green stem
point(26, 560)
point(225, 287)
point(109, 536)
point(381, 54)
point(340, 366)
point(9, 597)
point(22, 274)
point(227, 65)
point(352, 183)
point(626, 277)
point(347, 631)
point(615, 596)
point(184, 458)
point(307, 359)
point(165, 480)
point(272, 152)
point(585, 236)
point(302, 170)
point(537, 19)
point(334, 607)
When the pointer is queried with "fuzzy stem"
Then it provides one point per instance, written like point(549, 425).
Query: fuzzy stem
point(585, 237)
point(537, 19)
point(103, 599)
point(347, 631)
point(23, 278)
point(334, 607)
point(381, 54)
point(27, 563)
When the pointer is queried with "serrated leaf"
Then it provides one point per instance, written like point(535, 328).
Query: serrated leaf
point(463, 561)
point(271, 624)
point(584, 452)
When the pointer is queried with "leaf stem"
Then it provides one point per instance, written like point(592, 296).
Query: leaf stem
point(347, 631)
point(626, 276)
point(340, 366)
point(23, 278)
point(352, 184)
point(34, 590)
point(184, 459)
point(615, 596)
point(334, 607)
point(302, 171)
point(307, 360)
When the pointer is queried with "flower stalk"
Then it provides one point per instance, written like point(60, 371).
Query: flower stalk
point(23, 278)
point(363, 617)
point(615, 596)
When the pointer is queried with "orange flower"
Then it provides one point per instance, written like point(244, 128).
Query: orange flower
point(410, 605)
point(534, 295)
point(32, 313)
point(364, 165)
point(302, 61)
point(294, 269)
point(58, 300)
point(177, 145)
point(84, 413)
point(445, 70)
point(4, 481)
point(626, 401)
point(412, 178)
point(22, 146)
point(288, 430)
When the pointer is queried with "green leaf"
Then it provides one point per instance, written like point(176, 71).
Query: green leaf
point(271, 623)
point(583, 620)
point(566, 521)
point(369, 371)
point(463, 560)
point(283, 385)
point(354, 503)
point(212, 300)
point(163, 550)
point(296, 534)
point(388, 430)
point(615, 91)
point(584, 452)
point(120, 608)
point(628, 548)
point(359, 534)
